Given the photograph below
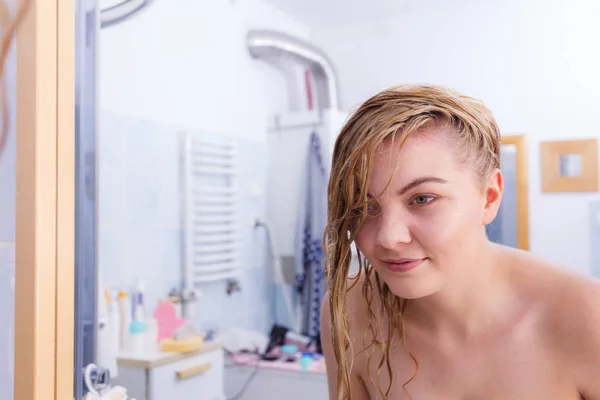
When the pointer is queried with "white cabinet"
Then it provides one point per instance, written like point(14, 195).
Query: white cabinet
point(167, 376)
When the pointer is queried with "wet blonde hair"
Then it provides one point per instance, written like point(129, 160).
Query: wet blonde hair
point(396, 112)
point(9, 24)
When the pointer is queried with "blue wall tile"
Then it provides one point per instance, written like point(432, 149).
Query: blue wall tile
point(140, 233)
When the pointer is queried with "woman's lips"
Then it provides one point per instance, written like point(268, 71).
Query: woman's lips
point(403, 265)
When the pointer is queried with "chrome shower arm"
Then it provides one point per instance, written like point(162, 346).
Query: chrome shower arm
point(267, 44)
point(120, 12)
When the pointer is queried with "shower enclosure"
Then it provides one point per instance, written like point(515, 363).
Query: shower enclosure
point(89, 19)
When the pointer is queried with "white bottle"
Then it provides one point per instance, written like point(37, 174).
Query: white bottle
point(138, 301)
point(111, 336)
point(137, 331)
point(151, 339)
point(125, 320)
point(115, 336)
point(103, 339)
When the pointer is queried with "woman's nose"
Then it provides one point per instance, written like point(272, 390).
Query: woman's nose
point(392, 232)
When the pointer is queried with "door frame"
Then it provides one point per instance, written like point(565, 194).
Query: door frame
point(522, 183)
point(45, 202)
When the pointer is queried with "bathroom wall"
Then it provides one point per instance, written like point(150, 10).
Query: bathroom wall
point(188, 64)
point(7, 240)
point(140, 229)
point(174, 67)
point(530, 61)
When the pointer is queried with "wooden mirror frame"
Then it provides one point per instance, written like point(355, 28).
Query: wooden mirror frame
point(522, 183)
point(45, 202)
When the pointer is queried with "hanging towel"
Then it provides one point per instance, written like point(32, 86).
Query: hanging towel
point(312, 219)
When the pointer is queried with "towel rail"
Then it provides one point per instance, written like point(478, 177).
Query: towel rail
point(213, 237)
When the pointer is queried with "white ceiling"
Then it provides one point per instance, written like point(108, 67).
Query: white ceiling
point(109, 3)
point(320, 13)
point(323, 12)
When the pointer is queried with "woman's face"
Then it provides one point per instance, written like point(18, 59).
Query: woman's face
point(430, 221)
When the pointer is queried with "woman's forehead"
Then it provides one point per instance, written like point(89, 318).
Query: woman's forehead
point(414, 150)
point(418, 157)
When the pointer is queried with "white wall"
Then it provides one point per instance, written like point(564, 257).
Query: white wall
point(535, 64)
point(187, 63)
point(184, 64)
point(288, 150)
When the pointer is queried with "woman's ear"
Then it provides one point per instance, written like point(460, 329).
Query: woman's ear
point(493, 196)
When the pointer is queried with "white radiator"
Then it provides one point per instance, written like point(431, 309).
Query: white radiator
point(211, 209)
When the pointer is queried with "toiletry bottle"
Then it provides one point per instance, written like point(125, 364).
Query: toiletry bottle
point(151, 335)
point(125, 317)
point(306, 361)
point(108, 352)
point(103, 334)
point(137, 337)
point(138, 313)
point(115, 333)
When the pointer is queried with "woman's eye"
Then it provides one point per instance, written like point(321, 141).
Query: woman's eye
point(372, 209)
point(423, 200)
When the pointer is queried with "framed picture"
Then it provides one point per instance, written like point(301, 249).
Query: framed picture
point(570, 166)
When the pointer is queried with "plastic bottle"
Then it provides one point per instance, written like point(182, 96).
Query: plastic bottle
point(115, 332)
point(151, 336)
point(137, 335)
point(138, 311)
point(306, 361)
point(125, 319)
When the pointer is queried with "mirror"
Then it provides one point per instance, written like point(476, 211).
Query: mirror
point(511, 225)
point(570, 165)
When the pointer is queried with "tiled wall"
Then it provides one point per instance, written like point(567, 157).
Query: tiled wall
point(7, 241)
point(140, 234)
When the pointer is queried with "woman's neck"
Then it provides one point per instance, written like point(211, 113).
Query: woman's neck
point(469, 302)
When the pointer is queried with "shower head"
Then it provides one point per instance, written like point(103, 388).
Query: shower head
point(271, 44)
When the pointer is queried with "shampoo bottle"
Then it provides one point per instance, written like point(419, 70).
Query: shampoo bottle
point(125, 320)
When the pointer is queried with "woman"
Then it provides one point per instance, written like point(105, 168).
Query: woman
point(437, 311)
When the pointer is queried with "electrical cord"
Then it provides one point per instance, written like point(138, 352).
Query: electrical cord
point(249, 380)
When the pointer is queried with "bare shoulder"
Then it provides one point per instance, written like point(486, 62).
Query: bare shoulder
point(569, 296)
point(569, 305)
point(568, 293)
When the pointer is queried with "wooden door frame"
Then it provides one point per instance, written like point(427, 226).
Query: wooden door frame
point(522, 188)
point(45, 202)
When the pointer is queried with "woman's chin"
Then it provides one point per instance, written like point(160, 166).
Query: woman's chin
point(414, 288)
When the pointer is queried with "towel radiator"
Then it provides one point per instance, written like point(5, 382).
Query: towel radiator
point(211, 209)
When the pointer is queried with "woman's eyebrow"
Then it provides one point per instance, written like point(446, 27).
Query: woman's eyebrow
point(415, 183)
point(420, 181)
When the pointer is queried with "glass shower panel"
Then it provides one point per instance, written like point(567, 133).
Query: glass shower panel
point(7, 238)
point(86, 34)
